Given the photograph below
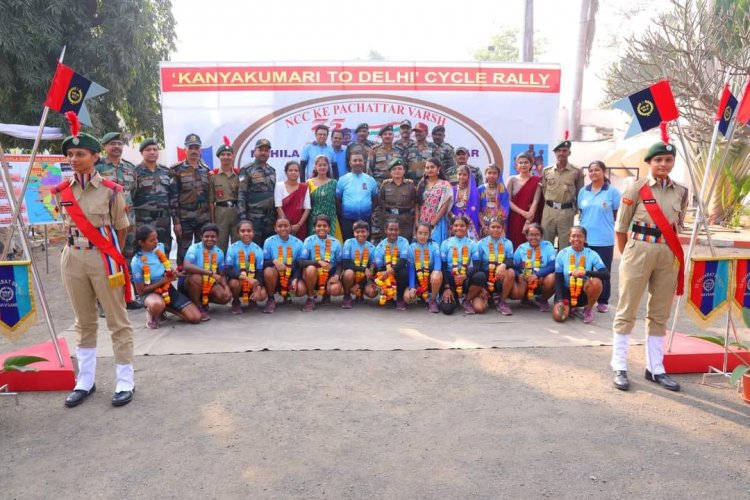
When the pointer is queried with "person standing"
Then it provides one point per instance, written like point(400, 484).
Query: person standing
point(256, 192)
point(444, 151)
point(340, 160)
point(189, 196)
point(462, 158)
point(314, 149)
point(292, 200)
point(223, 188)
point(93, 268)
point(418, 153)
point(525, 200)
point(652, 209)
point(404, 142)
point(598, 203)
point(151, 194)
point(381, 156)
point(114, 168)
point(356, 195)
point(362, 145)
point(560, 185)
point(397, 199)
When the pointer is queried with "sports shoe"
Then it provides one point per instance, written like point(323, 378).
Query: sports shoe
point(326, 299)
point(236, 307)
point(602, 308)
point(433, 306)
point(204, 314)
point(544, 306)
point(400, 305)
point(252, 305)
point(347, 302)
point(152, 323)
point(468, 307)
point(270, 306)
point(504, 308)
point(309, 305)
point(588, 315)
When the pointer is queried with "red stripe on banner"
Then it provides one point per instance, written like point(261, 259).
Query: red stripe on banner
point(743, 111)
point(723, 100)
point(696, 284)
point(664, 99)
point(59, 87)
point(405, 78)
point(741, 282)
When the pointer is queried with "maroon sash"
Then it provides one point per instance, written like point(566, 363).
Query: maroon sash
point(670, 236)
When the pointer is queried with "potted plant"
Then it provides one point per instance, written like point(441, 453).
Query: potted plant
point(742, 371)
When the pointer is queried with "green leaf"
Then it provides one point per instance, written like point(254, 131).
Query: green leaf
point(18, 363)
point(737, 373)
point(710, 338)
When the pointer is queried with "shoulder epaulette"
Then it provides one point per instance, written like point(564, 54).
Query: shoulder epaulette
point(214, 171)
point(175, 165)
point(112, 185)
point(63, 185)
point(236, 170)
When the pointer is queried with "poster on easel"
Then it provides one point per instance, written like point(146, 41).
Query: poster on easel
point(39, 206)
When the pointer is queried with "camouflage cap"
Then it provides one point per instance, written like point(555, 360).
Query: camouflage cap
point(462, 150)
point(192, 140)
point(362, 126)
point(148, 142)
point(405, 123)
point(82, 140)
point(659, 148)
point(110, 136)
point(263, 143)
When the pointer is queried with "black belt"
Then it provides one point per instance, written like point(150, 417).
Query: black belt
point(191, 206)
point(398, 211)
point(649, 231)
point(227, 204)
point(82, 243)
point(154, 214)
point(560, 206)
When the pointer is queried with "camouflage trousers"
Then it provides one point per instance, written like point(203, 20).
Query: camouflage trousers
point(191, 233)
point(263, 223)
point(163, 226)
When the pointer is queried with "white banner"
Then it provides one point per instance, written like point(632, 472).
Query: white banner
point(494, 110)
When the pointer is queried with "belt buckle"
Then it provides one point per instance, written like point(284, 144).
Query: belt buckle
point(557, 205)
point(230, 204)
point(80, 241)
point(394, 211)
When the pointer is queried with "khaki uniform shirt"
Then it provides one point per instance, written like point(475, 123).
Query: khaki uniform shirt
point(562, 186)
point(223, 186)
point(672, 200)
point(101, 205)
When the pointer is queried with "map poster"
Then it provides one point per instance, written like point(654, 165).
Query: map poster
point(39, 205)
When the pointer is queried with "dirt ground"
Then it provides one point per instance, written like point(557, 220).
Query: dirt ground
point(498, 423)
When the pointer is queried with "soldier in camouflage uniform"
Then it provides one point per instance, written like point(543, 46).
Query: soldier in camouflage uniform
point(418, 153)
point(377, 166)
point(257, 184)
point(362, 145)
point(224, 184)
point(405, 142)
point(151, 193)
point(444, 151)
point(188, 202)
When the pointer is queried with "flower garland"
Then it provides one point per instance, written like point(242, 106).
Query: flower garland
point(494, 263)
point(164, 290)
point(423, 272)
point(322, 271)
point(460, 270)
point(531, 266)
point(247, 273)
point(576, 284)
point(209, 264)
point(385, 281)
point(284, 277)
point(360, 260)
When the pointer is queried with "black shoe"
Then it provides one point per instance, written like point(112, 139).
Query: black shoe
point(78, 396)
point(663, 380)
point(620, 380)
point(122, 398)
point(134, 305)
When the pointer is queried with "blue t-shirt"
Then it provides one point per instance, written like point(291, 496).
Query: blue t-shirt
point(272, 244)
point(156, 268)
point(597, 214)
point(351, 245)
point(562, 263)
point(233, 256)
point(446, 252)
point(194, 255)
point(356, 192)
point(340, 159)
point(546, 257)
point(308, 249)
point(312, 151)
point(403, 251)
point(483, 249)
point(432, 249)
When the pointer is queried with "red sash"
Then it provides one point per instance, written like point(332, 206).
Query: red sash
point(91, 233)
point(673, 242)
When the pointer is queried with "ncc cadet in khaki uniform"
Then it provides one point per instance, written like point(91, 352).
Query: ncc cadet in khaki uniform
point(151, 193)
point(94, 215)
point(377, 166)
point(651, 258)
point(224, 184)
point(362, 145)
point(112, 167)
point(444, 151)
point(418, 153)
point(560, 185)
point(398, 198)
point(257, 184)
point(189, 196)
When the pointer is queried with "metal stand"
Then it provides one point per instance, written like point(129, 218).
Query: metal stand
point(4, 391)
point(714, 372)
point(46, 248)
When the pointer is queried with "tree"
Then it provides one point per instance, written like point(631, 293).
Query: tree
point(505, 47)
point(116, 43)
point(695, 45)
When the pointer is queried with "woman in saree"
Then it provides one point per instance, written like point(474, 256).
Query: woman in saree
point(525, 199)
point(493, 199)
point(292, 199)
point(466, 201)
point(434, 200)
point(323, 196)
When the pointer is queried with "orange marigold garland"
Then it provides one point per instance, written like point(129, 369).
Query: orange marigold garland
point(322, 271)
point(385, 281)
point(247, 273)
point(360, 260)
point(164, 290)
point(531, 266)
point(422, 264)
point(459, 270)
point(284, 277)
point(576, 284)
point(209, 264)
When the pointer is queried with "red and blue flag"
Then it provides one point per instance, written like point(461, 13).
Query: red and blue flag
point(649, 107)
point(708, 292)
point(727, 107)
point(69, 91)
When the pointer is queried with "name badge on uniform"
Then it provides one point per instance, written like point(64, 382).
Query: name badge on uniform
point(66, 203)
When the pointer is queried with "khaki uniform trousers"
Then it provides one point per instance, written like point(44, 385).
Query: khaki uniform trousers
point(228, 219)
point(558, 222)
point(86, 281)
point(646, 264)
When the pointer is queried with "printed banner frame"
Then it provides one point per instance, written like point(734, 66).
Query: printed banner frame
point(17, 302)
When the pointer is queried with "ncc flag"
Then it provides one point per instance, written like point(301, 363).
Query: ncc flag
point(743, 112)
point(69, 91)
point(649, 107)
point(727, 106)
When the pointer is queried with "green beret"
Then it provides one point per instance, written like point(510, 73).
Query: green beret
point(82, 140)
point(562, 144)
point(659, 148)
point(387, 128)
point(395, 162)
point(148, 142)
point(223, 148)
point(362, 126)
point(110, 136)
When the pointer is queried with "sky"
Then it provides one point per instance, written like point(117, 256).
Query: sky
point(435, 31)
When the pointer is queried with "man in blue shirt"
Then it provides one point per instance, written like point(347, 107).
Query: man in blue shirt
point(339, 154)
point(356, 195)
point(313, 149)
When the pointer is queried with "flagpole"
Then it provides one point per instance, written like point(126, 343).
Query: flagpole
point(17, 215)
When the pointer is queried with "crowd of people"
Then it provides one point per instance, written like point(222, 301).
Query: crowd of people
point(402, 222)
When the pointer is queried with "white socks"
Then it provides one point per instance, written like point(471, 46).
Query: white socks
point(124, 378)
point(86, 368)
point(655, 355)
point(619, 352)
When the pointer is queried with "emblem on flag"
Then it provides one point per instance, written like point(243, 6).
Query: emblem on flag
point(17, 310)
point(727, 106)
point(741, 295)
point(708, 289)
point(69, 92)
point(649, 107)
